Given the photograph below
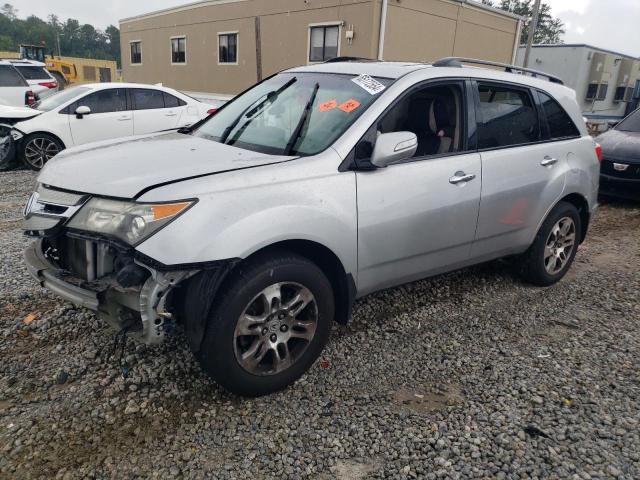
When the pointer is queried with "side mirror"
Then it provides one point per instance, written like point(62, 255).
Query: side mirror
point(394, 147)
point(81, 111)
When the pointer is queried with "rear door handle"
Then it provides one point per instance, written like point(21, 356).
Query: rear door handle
point(461, 177)
point(548, 161)
point(170, 114)
point(124, 119)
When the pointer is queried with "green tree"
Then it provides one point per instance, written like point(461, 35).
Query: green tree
point(76, 40)
point(550, 29)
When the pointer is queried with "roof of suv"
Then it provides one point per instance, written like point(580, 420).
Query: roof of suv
point(26, 63)
point(395, 70)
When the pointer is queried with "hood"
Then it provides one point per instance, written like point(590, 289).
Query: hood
point(126, 168)
point(619, 145)
point(17, 113)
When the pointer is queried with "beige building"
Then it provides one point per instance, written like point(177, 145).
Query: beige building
point(225, 46)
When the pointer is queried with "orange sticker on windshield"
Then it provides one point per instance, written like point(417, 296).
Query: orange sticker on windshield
point(330, 105)
point(349, 106)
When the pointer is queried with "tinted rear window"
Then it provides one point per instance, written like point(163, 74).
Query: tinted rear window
point(144, 99)
point(9, 77)
point(33, 73)
point(559, 121)
point(507, 117)
point(170, 101)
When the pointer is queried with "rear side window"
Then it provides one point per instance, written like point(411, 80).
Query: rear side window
point(9, 77)
point(33, 73)
point(559, 121)
point(144, 99)
point(507, 117)
point(104, 101)
point(170, 101)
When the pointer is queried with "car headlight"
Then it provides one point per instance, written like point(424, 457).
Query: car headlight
point(127, 221)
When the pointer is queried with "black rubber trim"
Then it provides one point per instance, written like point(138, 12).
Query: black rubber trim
point(199, 299)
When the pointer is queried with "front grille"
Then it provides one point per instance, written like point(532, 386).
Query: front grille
point(632, 172)
point(49, 208)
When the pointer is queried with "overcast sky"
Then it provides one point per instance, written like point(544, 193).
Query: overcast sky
point(611, 24)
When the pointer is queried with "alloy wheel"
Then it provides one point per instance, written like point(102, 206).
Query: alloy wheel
point(39, 151)
point(559, 245)
point(275, 328)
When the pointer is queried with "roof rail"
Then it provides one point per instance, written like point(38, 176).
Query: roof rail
point(349, 59)
point(457, 62)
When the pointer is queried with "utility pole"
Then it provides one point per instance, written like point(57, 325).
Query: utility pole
point(532, 31)
point(58, 37)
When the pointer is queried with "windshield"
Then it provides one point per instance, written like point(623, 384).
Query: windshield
point(57, 99)
point(293, 113)
point(631, 123)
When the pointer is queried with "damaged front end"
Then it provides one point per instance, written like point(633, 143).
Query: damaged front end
point(9, 137)
point(128, 290)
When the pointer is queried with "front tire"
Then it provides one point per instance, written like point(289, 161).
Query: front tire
point(552, 253)
point(268, 325)
point(38, 149)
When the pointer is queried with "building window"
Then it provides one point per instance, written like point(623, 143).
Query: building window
point(136, 52)
point(228, 47)
point(323, 42)
point(597, 91)
point(623, 94)
point(179, 50)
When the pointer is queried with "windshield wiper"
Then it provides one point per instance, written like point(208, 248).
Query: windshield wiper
point(303, 120)
point(251, 110)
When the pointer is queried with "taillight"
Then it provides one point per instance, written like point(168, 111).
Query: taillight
point(599, 151)
point(30, 98)
point(49, 84)
point(211, 111)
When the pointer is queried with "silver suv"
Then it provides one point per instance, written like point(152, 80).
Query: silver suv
point(260, 226)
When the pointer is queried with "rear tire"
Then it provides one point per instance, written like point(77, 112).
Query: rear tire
point(268, 325)
point(38, 148)
point(552, 253)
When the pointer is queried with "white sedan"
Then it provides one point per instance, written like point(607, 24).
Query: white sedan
point(95, 112)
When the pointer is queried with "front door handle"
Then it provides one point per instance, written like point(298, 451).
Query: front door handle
point(461, 177)
point(548, 161)
point(124, 119)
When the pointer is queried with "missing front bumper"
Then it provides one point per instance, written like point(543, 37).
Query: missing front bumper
point(146, 304)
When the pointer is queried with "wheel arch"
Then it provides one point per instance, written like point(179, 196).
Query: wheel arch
point(343, 283)
point(208, 284)
point(42, 132)
point(581, 203)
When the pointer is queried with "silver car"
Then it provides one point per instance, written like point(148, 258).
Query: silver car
point(260, 226)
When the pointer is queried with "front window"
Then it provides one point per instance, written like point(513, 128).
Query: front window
point(179, 50)
point(291, 113)
point(60, 98)
point(228, 48)
point(631, 123)
point(136, 53)
point(323, 43)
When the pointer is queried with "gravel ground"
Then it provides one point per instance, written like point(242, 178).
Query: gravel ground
point(467, 375)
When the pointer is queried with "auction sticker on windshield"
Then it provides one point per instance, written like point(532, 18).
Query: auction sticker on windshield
point(330, 105)
point(349, 106)
point(369, 84)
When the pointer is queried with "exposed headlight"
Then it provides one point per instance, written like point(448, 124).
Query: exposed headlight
point(128, 221)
